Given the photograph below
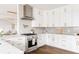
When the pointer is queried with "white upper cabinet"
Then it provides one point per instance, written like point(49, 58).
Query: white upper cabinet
point(75, 15)
point(43, 21)
point(72, 15)
point(59, 17)
point(52, 18)
point(41, 18)
point(38, 16)
point(66, 16)
point(62, 17)
point(49, 19)
point(35, 22)
point(56, 18)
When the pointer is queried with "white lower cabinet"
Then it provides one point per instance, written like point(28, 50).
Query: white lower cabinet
point(41, 40)
point(66, 42)
point(77, 43)
point(50, 40)
point(54, 40)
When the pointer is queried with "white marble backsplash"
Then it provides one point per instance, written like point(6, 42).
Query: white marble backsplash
point(57, 30)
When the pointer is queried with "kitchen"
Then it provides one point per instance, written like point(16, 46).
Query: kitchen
point(39, 28)
point(55, 25)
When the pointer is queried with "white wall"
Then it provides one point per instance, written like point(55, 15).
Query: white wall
point(6, 26)
point(27, 28)
point(20, 22)
point(8, 19)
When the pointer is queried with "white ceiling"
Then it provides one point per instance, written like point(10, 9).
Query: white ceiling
point(47, 6)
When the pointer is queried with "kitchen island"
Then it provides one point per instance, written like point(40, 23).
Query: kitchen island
point(6, 48)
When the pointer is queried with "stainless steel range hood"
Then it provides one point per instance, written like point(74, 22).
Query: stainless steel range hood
point(27, 12)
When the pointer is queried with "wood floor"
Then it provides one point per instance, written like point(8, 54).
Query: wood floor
point(50, 50)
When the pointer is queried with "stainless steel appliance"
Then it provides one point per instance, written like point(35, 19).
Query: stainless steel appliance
point(27, 12)
point(31, 41)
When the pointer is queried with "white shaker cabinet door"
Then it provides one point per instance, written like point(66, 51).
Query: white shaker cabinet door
point(35, 21)
point(56, 18)
point(77, 43)
point(46, 19)
point(41, 18)
point(59, 17)
point(54, 40)
point(68, 16)
point(75, 15)
point(68, 42)
point(71, 43)
point(41, 40)
point(38, 16)
point(57, 41)
point(35, 13)
point(50, 40)
point(50, 19)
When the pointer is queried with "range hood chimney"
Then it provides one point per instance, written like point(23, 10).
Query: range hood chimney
point(27, 12)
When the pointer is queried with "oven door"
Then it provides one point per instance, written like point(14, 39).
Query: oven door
point(32, 46)
point(32, 41)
